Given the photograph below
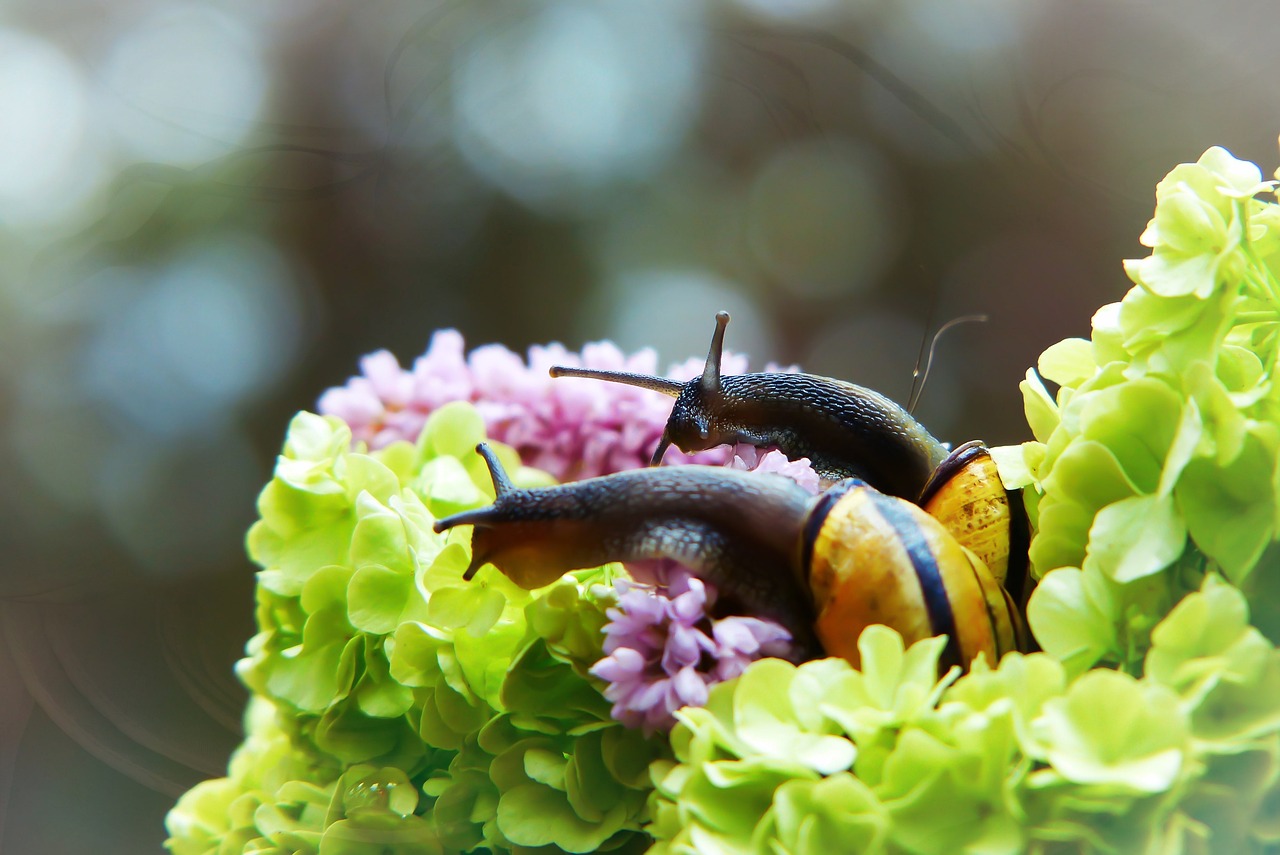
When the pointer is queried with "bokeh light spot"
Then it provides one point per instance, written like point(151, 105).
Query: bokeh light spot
point(43, 112)
point(823, 219)
point(972, 26)
point(185, 84)
point(577, 94)
point(803, 11)
point(673, 311)
point(221, 322)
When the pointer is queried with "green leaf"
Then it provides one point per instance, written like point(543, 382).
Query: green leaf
point(1111, 729)
point(1231, 510)
point(1068, 363)
point(1135, 537)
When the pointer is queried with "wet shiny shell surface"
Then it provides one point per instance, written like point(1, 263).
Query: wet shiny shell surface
point(877, 559)
point(967, 496)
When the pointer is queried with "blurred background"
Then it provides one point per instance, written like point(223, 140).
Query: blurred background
point(210, 210)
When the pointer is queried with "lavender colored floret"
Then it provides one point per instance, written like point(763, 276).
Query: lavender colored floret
point(664, 651)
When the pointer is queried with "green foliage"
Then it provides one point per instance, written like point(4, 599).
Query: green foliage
point(397, 708)
point(1020, 758)
point(1158, 458)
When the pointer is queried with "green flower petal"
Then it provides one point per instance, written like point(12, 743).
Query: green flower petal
point(1231, 510)
point(1068, 363)
point(1041, 410)
point(536, 815)
point(377, 596)
point(1073, 614)
point(1111, 729)
point(766, 721)
point(836, 814)
point(453, 430)
point(1135, 537)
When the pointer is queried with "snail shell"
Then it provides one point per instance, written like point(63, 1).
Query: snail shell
point(876, 559)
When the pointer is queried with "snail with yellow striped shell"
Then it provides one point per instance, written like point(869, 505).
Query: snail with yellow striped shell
point(825, 568)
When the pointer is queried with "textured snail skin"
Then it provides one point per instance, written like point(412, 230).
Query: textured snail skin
point(737, 530)
point(845, 430)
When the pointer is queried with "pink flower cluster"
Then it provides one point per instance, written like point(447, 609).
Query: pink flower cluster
point(664, 651)
point(571, 427)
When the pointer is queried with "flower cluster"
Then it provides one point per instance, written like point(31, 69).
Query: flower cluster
point(571, 428)
point(1159, 457)
point(664, 651)
point(397, 707)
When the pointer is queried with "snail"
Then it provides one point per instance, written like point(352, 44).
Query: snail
point(845, 431)
point(824, 567)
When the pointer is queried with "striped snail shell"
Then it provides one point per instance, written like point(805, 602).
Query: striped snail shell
point(876, 559)
point(824, 567)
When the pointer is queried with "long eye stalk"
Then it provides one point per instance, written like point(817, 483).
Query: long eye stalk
point(644, 381)
point(711, 371)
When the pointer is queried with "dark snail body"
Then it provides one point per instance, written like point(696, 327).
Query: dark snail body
point(825, 567)
point(845, 430)
point(734, 529)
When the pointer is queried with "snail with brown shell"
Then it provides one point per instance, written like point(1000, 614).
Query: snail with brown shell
point(923, 540)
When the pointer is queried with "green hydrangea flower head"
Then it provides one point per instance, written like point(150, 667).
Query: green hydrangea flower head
point(397, 708)
point(1158, 457)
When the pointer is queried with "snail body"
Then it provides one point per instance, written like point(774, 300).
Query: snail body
point(846, 431)
point(825, 567)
